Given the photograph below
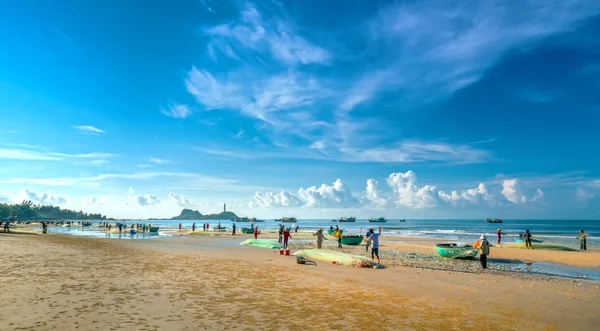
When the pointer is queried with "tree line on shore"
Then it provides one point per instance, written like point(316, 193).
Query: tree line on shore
point(27, 210)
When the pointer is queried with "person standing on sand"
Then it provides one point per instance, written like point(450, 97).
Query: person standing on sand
point(499, 234)
point(527, 237)
point(280, 233)
point(367, 239)
point(256, 232)
point(193, 226)
point(583, 238)
point(320, 238)
point(484, 250)
point(338, 235)
point(179, 226)
point(286, 236)
point(233, 233)
point(374, 238)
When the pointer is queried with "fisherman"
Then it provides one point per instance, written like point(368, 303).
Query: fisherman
point(6, 226)
point(280, 233)
point(374, 237)
point(120, 227)
point(233, 233)
point(527, 237)
point(179, 226)
point(256, 232)
point(194, 226)
point(499, 235)
point(331, 228)
point(484, 251)
point(583, 238)
point(44, 228)
point(320, 238)
point(367, 239)
point(286, 236)
point(338, 235)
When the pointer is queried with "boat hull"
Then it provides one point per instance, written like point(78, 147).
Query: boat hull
point(247, 230)
point(154, 229)
point(352, 240)
point(521, 240)
point(454, 251)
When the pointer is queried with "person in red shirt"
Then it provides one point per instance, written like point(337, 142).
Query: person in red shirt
point(256, 232)
point(286, 236)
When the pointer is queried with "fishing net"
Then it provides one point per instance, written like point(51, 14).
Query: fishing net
point(456, 251)
point(336, 257)
point(264, 243)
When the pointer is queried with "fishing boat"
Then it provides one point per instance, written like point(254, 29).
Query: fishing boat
point(493, 220)
point(352, 240)
point(401, 220)
point(248, 230)
point(347, 219)
point(456, 251)
point(244, 219)
point(377, 220)
point(153, 229)
point(332, 232)
point(533, 240)
point(287, 220)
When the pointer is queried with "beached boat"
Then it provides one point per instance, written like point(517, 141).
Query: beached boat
point(347, 219)
point(287, 220)
point(248, 230)
point(153, 229)
point(456, 251)
point(332, 232)
point(352, 240)
point(377, 220)
point(493, 220)
point(533, 240)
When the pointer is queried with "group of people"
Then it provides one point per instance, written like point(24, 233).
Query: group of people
point(371, 239)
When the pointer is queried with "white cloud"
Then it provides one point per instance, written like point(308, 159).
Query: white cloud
point(160, 161)
point(512, 191)
point(240, 133)
point(325, 196)
point(410, 195)
point(99, 162)
point(318, 144)
point(27, 155)
point(181, 200)
point(142, 166)
point(539, 195)
point(141, 199)
point(473, 195)
point(176, 110)
point(45, 198)
point(93, 201)
point(253, 33)
point(88, 129)
point(373, 195)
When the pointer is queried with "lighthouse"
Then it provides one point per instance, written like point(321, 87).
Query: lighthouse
point(224, 207)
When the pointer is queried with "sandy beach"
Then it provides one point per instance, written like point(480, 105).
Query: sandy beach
point(191, 283)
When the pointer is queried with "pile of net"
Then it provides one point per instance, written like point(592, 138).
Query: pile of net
point(264, 243)
point(337, 258)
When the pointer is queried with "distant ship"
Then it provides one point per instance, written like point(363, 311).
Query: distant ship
point(244, 219)
point(287, 220)
point(401, 220)
point(377, 220)
point(347, 219)
point(493, 220)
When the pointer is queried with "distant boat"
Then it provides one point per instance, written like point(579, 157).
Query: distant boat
point(287, 220)
point(401, 220)
point(347, 219)
point(244, 219)
point(377, 220)
point(493, 220)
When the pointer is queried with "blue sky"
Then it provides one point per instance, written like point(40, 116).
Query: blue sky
point(410, 109)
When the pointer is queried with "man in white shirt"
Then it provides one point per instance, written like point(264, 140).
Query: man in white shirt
point(374, 240)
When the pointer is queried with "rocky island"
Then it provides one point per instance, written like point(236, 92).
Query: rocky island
point(189, 214)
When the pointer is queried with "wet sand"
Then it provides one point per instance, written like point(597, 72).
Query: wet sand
point(194, 283)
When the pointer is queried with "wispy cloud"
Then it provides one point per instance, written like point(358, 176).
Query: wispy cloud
point(88, 129)
point(24, 154)
point(253, 34)
point(141, 199)
point(160, 161)
point(240, 133)
point(45, 198)
point(142, 166)
point(176, 110)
